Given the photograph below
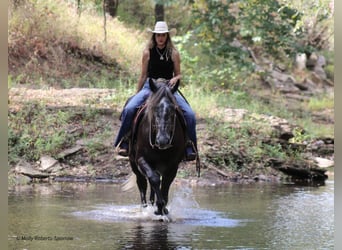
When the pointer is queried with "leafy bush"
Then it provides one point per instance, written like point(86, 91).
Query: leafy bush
point(33, 131)
point(264, 26)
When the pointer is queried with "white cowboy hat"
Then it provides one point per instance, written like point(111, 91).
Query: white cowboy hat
point(161, 27)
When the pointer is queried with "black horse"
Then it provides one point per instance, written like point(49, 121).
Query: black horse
point(158, 145)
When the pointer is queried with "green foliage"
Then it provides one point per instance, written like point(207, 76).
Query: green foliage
point(321, 103)
point(316, 27)
point(137, 13)
point(203, 69)
point(33, 131)
point(299, 136)
point(239, 146)
point(274, 151)
point(265, 26)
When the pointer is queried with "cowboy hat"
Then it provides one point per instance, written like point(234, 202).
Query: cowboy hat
point(161, 27)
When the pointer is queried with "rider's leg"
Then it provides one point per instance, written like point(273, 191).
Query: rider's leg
point(190, 119)
point(128, 116)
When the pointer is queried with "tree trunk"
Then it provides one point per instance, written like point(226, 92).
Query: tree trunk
point(79, 8)
point(105, 20)
point(112, 7)
point(159, 12)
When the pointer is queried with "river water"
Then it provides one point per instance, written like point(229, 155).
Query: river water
point(235, 216)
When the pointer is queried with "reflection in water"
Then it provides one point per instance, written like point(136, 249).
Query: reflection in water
point(99, 216)
point(151, 236)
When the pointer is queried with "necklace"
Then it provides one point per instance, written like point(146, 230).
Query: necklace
point(161, 55)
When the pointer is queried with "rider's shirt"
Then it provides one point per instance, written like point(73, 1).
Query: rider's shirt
point(160, 64)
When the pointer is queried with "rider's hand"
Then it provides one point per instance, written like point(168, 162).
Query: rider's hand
point(172, 82)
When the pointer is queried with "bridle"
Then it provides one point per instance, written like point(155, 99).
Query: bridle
point(153, 128)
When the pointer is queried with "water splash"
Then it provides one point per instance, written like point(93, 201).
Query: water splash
point(183, 209)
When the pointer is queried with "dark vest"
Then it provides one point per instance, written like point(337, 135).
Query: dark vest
point(160, 67)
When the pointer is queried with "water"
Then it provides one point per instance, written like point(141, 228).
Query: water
point(236, 216)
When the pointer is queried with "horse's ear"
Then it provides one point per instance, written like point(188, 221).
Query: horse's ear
point(153, 85)
point(175, 87)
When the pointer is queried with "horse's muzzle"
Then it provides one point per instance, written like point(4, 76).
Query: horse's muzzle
point(163, 142)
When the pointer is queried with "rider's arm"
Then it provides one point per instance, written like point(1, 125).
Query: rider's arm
point(177, 71)
point(144, 66)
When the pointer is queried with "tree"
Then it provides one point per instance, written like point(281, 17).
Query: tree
point(111, 7)
point(159, 12)
point(159, 6)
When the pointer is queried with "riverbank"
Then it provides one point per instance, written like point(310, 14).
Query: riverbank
point(94, 122)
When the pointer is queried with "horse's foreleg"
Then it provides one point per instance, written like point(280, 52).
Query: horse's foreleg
point(165, 185)
point(152, 196)
point(141, 183)
point(154, 179)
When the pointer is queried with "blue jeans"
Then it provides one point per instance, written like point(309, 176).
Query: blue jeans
point(138, 99)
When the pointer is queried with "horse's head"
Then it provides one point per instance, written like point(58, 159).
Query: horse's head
point(162, 114)
point(156, 84)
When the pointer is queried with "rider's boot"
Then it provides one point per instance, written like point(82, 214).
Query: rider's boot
point(190, 152)
point(123, 148)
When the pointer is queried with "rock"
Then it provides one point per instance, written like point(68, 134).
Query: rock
point(302, 86)
point(323, 162)
point(275, 162)
point(301, 61)
point(322, 147)
point(69, 151)
point(280, 76)
point(47, 163)
point(26, 169)
point(316, 79)
point(280, 66)
point(301, 173)
point(260, 177)
point(320, 72)
point(312, 61)
point(234, 115)
point(286, 135)
point(328, 82)
point(297, 97)
point(312, 86)
point(321, 61)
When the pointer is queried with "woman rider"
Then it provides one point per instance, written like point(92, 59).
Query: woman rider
point(160, 59)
